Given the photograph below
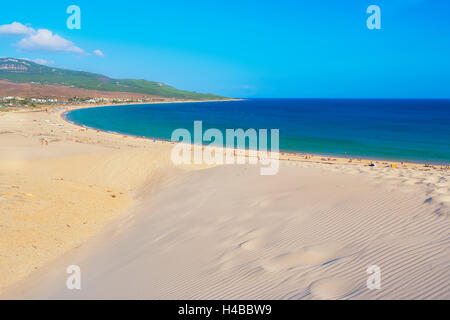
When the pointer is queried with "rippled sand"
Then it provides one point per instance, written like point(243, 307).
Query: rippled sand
point(224, 232)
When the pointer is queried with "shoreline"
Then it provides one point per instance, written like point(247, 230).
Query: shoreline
point(88, 188)
point(283, 154)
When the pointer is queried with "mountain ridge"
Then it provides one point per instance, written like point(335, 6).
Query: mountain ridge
point(22, 71)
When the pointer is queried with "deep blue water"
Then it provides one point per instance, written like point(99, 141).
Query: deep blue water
point(391, 129)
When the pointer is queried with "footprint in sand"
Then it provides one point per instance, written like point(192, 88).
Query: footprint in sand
point(313, 255)
point(245, 235)
point(411, 181)
point(442, 191)
point(251, 244)
point(249, 240)
point(336, 288)
point(432, 180)
point(445, 199)
point(443, 184)
point(437, 197)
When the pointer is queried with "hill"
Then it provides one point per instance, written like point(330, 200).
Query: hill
point(23, 71)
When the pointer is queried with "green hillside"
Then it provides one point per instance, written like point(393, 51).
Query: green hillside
point(19, 70)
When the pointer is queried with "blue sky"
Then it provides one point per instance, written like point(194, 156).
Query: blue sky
point(295, 48)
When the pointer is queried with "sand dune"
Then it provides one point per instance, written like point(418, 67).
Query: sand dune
point(306, 233)
point(226, 232)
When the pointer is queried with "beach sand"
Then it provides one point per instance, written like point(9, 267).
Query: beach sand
point(140, 227)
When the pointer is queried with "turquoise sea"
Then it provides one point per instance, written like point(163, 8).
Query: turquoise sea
point(415, 130)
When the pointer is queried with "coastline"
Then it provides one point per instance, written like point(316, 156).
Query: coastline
point(283, 154)
point(91, 187)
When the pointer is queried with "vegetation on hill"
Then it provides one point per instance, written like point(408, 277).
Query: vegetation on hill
point(19, 70)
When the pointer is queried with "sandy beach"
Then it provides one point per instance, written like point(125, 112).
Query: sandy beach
point(142, 228)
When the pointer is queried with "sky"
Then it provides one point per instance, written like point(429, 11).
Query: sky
point(245, 48)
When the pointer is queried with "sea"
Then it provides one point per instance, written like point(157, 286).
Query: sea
point(391, 129)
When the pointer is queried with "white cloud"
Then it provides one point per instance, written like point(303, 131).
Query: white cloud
point(16, 28)
point(45, 40)
point(39, 40)
point(99, 53)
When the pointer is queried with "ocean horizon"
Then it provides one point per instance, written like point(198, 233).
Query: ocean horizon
point(416, 130)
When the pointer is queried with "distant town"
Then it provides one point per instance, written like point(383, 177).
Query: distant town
point(21, 102)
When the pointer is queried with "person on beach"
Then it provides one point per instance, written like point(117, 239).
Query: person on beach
point(44, 142)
